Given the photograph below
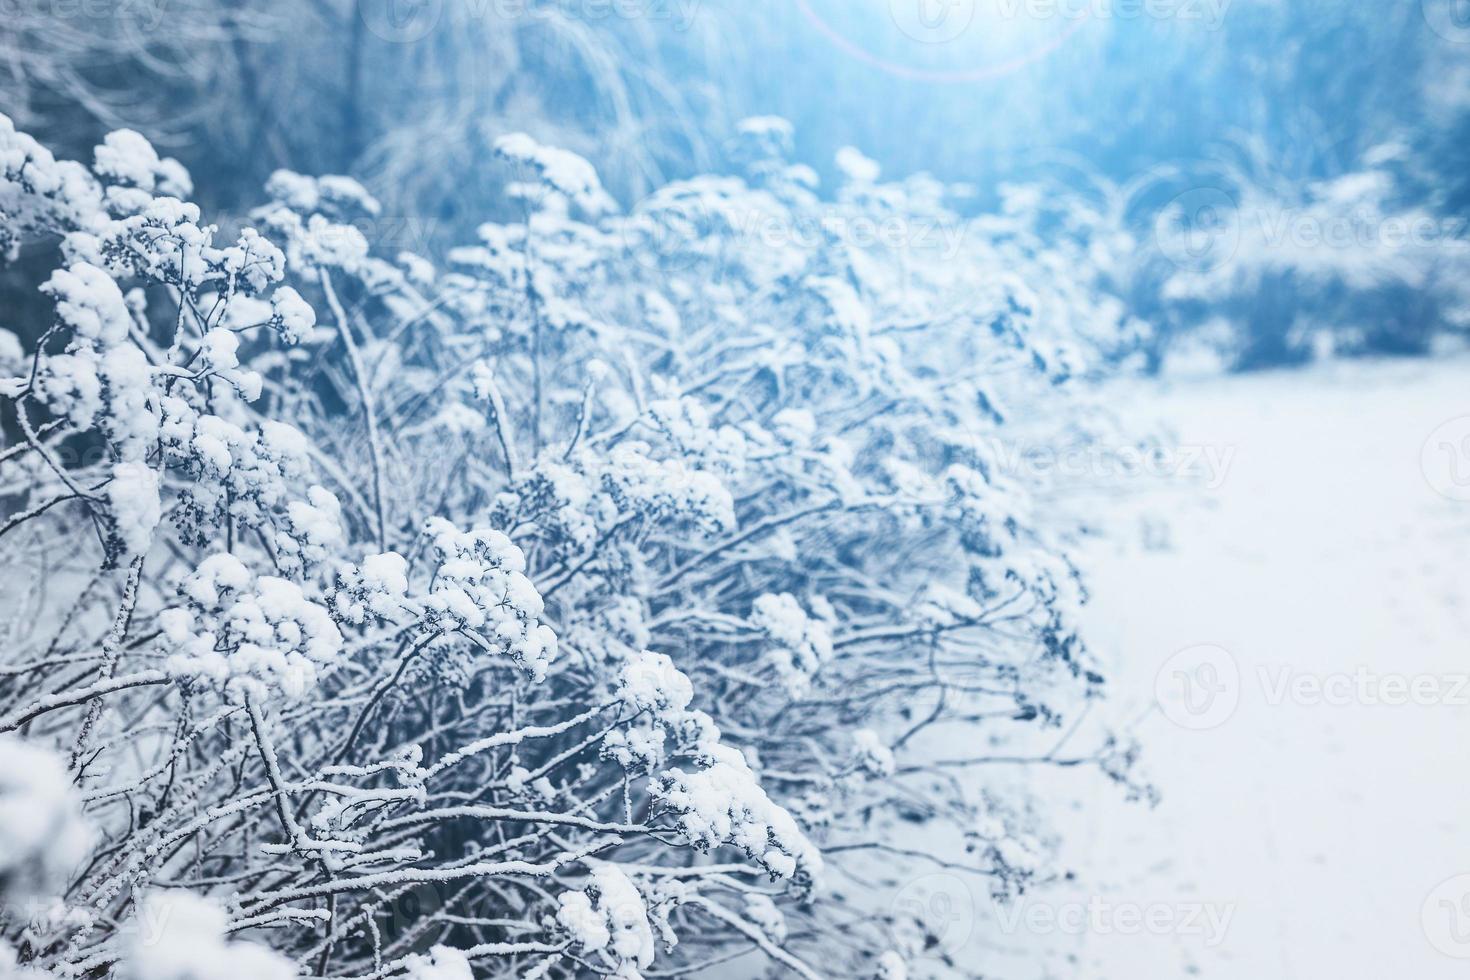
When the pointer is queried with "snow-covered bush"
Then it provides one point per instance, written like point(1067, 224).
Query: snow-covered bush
point(1230, 262)
point(593, 605)
point(1362, 262)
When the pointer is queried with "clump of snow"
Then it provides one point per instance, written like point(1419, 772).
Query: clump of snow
point(725, 804)
point(442, 963)
point(560, 170)
point(651, 682)
point(134, 506)
point(314, 531)
point(800, 644)
point(858, 168)
point(219, 350)
point(253, 635)
point(687, 425)
point(766, 917)
point(419, 270)
point(638, 750)
point(292, 315)
point(891, 967)
point(181, 936)
point(42, 835)
point(667, 488)
point(332, 193)
point(765, 137)
point(126, 157)
point(610, 918)
point(90, 303)
point(657, 694)
point(481, 586)
point(378, 586)
point(316, 242)
point(872, 756)
point(794, 426)
point(238, 474)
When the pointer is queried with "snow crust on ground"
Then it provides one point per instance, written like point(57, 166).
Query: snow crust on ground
point(1298, 836)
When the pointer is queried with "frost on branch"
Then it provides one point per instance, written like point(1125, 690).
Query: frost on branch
point(625, 579)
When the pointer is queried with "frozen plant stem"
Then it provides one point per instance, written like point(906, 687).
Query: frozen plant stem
point(369, 409)
point(110, 647)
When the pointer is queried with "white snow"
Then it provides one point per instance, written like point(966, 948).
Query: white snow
point(442, 963)
point(650, 682)
point(800, 644)
point(872, 756)
point(891, 967)
point(42, 836)
point(1301, 835)
point(294, 316)
point(126, 157)
point(724, 804)
point(561, 170)
point(481, 585)
point(627, 918)
point(135, 506)
point(253, 634)
point(90, 303)
point(180, 936)
point(857, 167)
point(609, 918)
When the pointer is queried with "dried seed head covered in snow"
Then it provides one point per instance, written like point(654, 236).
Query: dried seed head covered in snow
point(254, 635)
point(609, 921)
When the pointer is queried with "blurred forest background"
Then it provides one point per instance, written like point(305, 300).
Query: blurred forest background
point(1273, 180)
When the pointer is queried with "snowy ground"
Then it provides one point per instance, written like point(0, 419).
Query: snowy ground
point(1315, 783)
